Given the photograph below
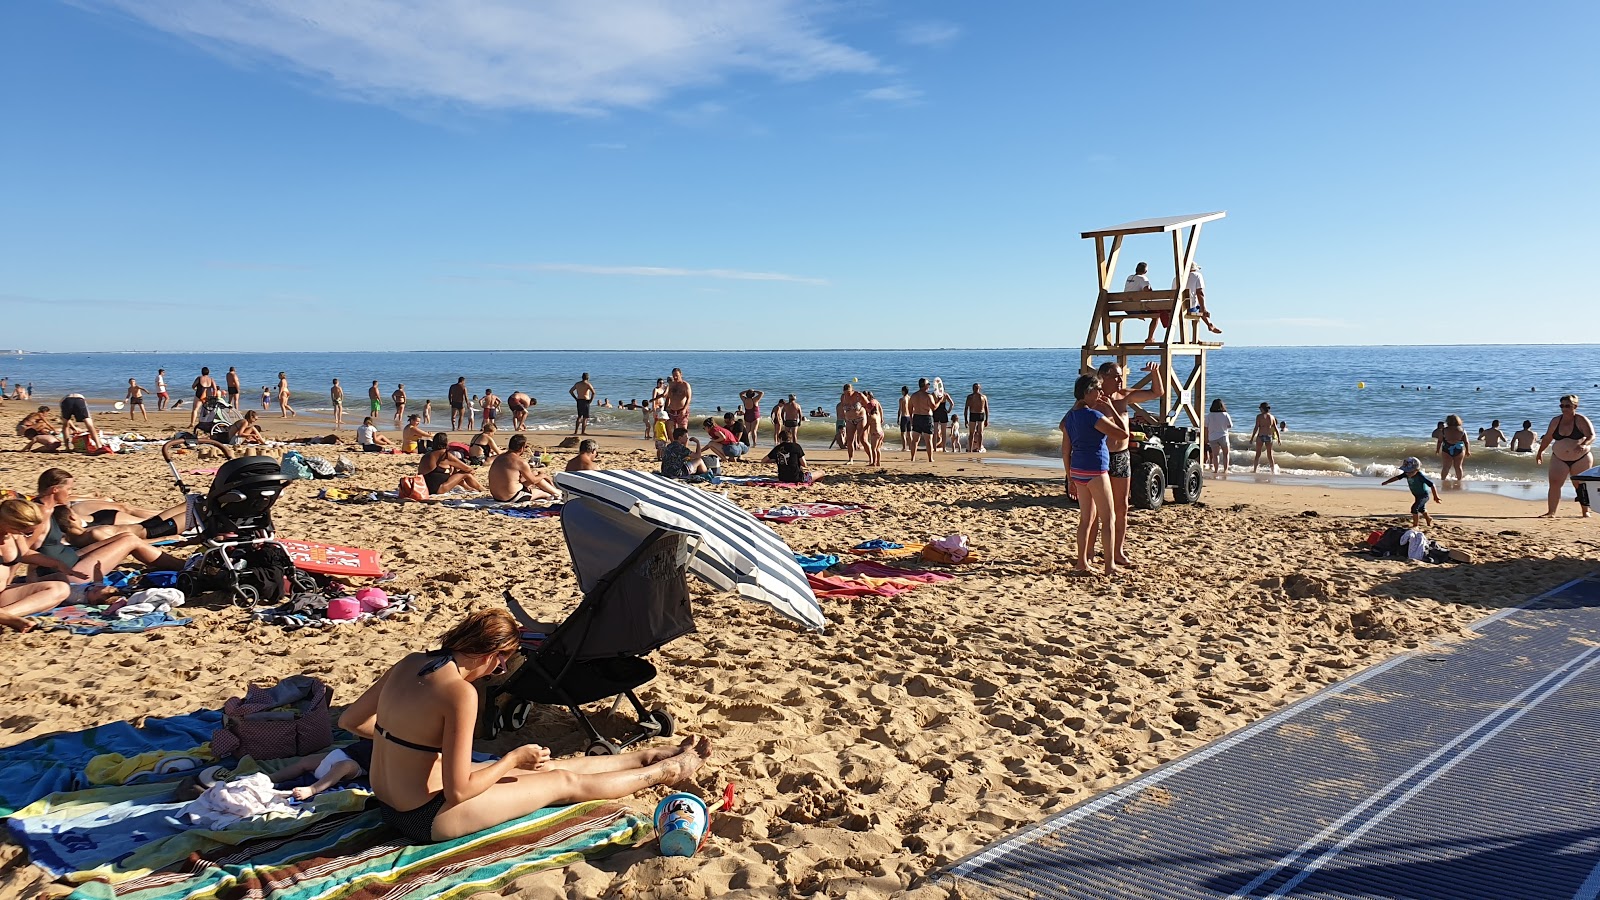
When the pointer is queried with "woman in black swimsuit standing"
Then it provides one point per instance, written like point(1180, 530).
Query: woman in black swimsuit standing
point(1573, 437)
point(421, 715)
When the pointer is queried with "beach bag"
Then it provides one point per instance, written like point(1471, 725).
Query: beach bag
point(290, 718)
point(413, 487)
point(949, 549)
point(294, 466)
point(320, 468)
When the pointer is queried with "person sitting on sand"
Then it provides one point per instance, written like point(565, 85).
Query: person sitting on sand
point(246, 431)
point(443, 471)
point(512, 480)
point(587, 457)
point(331, 768)
point(1523, 441)
point(42, 536)
point(413, 439)
point(483, 445)
point(790, 458)
point(39, 429)
point(678, 459)
point(723, 443)
point(420, 717)
point(371, 439)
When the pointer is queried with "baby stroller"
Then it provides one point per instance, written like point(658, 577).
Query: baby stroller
point(216, 416)
point(635, 599)
point(233, 523)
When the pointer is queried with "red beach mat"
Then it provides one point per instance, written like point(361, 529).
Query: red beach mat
point(329, 559)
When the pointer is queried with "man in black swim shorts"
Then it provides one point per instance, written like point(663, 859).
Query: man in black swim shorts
point(921, 405)
point(977, 413)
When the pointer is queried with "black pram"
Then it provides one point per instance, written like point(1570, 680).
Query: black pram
point(635, 599)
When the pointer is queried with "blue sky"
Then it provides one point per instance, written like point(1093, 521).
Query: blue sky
point(475, 174)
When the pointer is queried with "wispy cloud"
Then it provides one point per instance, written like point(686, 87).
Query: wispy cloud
point(929, 34)
point(237, 266)
point(83, 303)
point(661, 272)
point(1301, 322)
point(575, 56)
point(894, 93)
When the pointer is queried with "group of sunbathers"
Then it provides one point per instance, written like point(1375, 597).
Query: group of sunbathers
point(67, 545)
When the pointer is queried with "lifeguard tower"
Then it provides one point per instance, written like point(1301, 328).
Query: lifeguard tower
point(1183, 395)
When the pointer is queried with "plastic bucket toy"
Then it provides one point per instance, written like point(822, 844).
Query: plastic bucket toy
point(681, 822)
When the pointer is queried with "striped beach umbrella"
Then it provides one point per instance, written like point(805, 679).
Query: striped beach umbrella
point(734, 550)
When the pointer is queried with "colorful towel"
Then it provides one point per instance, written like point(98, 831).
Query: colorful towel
point(357, 858)
point(876, 545)
point(46, 765)
point(816, 563)
point(528, 512)
point(99, 620)
point(330, 559)
point(870, 579)
point(117, 834)
point(295, 614)
point(792, 512)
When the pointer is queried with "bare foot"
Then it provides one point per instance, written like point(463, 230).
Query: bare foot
point(1125, 562)
point(14, 622)
point(682, 765)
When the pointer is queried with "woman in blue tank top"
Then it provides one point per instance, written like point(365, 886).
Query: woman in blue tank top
point(1083, 451)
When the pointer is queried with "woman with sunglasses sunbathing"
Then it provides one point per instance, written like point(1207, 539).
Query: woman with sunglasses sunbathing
point(421, 715)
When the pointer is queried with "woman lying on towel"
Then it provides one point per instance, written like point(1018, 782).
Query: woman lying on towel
point(88, 521)
point(20, 600)
point(420, 716)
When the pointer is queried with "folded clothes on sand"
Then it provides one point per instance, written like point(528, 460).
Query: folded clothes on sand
point(816, 563)
point(305, 610)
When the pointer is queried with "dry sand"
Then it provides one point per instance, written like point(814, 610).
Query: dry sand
point(916, 729)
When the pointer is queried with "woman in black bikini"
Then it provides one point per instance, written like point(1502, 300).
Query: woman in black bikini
point(442, 471)
point(421, 715)
point(18, 519)
point(1573, 438)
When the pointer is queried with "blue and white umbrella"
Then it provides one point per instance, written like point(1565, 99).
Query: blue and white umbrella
point(735, 552)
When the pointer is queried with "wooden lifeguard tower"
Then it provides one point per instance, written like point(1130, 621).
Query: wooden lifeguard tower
point(1179, 341)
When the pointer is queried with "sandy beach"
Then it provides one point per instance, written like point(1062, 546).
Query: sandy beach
point(917, 728)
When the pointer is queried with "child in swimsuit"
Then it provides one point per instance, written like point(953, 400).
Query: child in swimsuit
point(332, 768)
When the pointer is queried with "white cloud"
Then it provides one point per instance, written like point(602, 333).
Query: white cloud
point(929, 34)
point(556, 55)
point(894, 93)
point(662, 272)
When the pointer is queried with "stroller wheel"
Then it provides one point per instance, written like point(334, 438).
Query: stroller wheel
point(246, 595)
point(603, 747)
point(660, 721)
point(515, 716)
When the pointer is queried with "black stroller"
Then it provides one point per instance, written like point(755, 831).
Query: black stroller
point(635, 599)
point(233, 523)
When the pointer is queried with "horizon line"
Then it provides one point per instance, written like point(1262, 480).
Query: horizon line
point(19, 353)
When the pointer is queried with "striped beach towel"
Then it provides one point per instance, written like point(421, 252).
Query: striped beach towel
point(359, 858)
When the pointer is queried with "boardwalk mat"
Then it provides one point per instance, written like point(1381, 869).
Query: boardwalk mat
point(1465, 771)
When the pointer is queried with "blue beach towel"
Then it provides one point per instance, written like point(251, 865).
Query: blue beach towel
point(815, 564)
point(54, 763)
point(878, 544)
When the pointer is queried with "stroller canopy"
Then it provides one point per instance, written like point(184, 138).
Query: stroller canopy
point(734, 550)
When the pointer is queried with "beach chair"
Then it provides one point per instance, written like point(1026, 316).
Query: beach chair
point(635, 600)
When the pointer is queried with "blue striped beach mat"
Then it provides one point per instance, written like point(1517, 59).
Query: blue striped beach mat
point(1468, 770)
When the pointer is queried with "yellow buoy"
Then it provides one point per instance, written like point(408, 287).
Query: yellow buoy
point(1362, 385)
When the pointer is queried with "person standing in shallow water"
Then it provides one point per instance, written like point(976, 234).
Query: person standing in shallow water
point(1264, 435)
point(1453, 449)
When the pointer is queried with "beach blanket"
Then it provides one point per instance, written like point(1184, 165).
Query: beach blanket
point(119, 833)
point(871, 579)
point(102, 620)
point(491, 503)
point(357, 858)
point(296, 614)
point(528, 512)
point(763, 481)
point(793, 512)
point(329, 559)
point(55, 762)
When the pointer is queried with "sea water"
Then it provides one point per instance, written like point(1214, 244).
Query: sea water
point(1336, 427)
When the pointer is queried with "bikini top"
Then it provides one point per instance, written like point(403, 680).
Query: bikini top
point(441, 658)
point(1576, 435)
